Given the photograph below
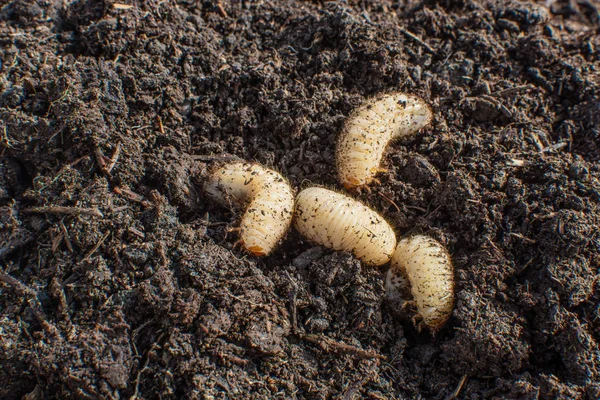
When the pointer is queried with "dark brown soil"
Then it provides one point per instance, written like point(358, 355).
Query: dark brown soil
point(118, 278)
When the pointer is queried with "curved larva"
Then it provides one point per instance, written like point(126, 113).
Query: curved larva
point(368, 130)
point(422, 267)
point(268, 198)
point(341, 223)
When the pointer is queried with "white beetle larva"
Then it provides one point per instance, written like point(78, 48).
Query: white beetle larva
point(422, 267)
point(268, 197)
point(341, 223)
point(368, 130)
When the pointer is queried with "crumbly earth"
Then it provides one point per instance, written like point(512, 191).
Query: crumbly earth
point(119, 279)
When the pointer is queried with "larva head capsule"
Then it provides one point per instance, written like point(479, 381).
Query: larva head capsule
point(368, 131)
point(265, 195)
point(421, 269)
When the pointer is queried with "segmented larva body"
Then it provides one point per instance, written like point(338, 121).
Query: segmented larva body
point(368, 131)
point(268, 198)
point(422, 267)
point(341, 223)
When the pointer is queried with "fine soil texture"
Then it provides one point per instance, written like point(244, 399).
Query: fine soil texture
point(119, 278)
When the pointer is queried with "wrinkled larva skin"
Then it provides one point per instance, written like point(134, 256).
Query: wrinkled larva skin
point(421, 267)
point(267, 196)
point(368, 131)
point(341, 223)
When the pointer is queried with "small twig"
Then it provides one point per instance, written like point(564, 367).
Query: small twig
point(140, 127)
point(221, 9)
point(65, 94)
point(513, 162)
point(418, 40)
point(293, 295)
point(416, 208)
point(77, 161)
point(458, 388)
point(67, 238)
point(57, 291)
point(64, 210)
point(328, 344)
point(6, 142)
point(113, 159)
point(523, 238)
point(96, 246)
point(391, 202)
point(100, 158)
point(120, 6)
point(131, 195)
point(557, 146)
point(56, 242)
point(106, 164)
point(243, 300)
point(161, 127)
point(136, 232)
point(218, 158)
point(19, 287)
point(513, 90)
point(152, 348)
point(527, 264)
point(137, 379)
point(493, 102)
